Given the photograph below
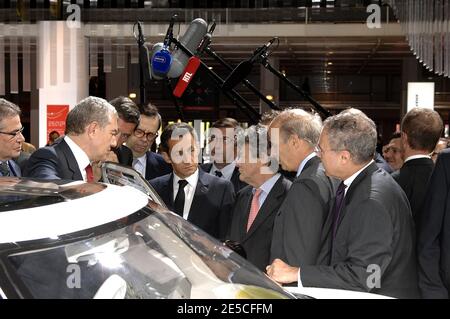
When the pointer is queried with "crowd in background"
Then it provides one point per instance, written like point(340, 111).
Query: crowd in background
point(311, 203)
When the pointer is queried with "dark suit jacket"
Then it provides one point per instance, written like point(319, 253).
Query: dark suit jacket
point(237, 183)
point(375, 231)
point(124, 155)
point(434, 233)
point(53, 162)
point(156, 166)
point(212, 204)
point(413, 178)
point(258, 240)
point(297, 235)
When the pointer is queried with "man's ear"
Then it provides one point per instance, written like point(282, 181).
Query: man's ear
point(404, 138)
point(166, 157)
point(345, 156)
point(92, 129)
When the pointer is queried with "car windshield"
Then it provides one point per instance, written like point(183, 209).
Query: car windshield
point(159, 256)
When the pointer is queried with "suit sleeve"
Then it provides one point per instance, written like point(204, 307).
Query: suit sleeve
point(42, 164)
point(226, 208)
point(368, 243)
point(429, 232)
point(302, 213)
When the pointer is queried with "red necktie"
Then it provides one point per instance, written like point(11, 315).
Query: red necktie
point(254, 208)
point(89, 173)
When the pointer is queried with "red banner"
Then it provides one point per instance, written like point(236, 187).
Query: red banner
point(56, 118)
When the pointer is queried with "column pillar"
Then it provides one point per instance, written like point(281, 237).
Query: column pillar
point(62, 69)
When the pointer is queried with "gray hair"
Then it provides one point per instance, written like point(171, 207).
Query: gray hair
point(91, 109)
point(8, 109)
point(256, 137)
point(304, 125)
point(354, 132)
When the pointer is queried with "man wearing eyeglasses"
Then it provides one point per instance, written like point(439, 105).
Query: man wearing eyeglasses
point(149, 164)
point(11, 138)
point(91, 133)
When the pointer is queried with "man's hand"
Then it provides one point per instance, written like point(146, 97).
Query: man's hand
point(282, 272)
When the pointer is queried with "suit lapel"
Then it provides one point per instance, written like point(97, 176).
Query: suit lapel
point(72, 164)
point(244, 217)
point(355, 184)
point(268, 207)
point(167, 192)
point(199, 196)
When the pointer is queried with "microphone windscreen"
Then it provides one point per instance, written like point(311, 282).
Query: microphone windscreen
point(191, 39)
point(237, 75)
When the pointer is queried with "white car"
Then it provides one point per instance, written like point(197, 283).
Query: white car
point(98, 240)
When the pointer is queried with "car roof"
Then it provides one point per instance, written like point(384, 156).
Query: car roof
point(108, 203)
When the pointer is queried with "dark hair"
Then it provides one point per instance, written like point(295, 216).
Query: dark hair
point(226, 122)
point(174, 130)
point(126, 109)
point(8, 109)
point(395, 135)
point(423, 128)
point(151, 110)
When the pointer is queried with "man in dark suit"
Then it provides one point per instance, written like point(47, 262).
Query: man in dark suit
point(433, 244)
point(128, 120)
point(370, 226)
point(203, 199)
point(11, 138)
point(421, 129)
point(257, 204)
point(149, 164)
point(91, 133)
point(223, 151)
point(297, 235)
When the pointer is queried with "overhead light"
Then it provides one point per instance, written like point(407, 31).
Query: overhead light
point(132, 95)
point(328, 72)
point(330, 63)
point(269, 97)
point(283, 72)
point(210, 67)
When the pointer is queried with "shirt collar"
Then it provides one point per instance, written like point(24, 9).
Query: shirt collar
point(303, 163)
point(350, 180)
point(267, 186)
point(80, 156)
point(413, 157)
point(227, 171)
point(142, 159)
point(192, 180)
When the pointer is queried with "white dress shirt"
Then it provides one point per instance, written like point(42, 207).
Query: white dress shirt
point(189, 191)
point(140, 164)
point(80, 156)
point(303, 163)
point(227, 171)
point(413, 157)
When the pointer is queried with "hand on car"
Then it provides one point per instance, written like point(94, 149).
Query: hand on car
point(281, 272)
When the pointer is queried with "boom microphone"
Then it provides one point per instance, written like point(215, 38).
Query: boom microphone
point(245, 67)
point(191, 39)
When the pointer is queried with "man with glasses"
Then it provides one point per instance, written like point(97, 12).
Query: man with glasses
point(91, 133)
point(370, 230)
point(149, 164)
point(11, 138)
